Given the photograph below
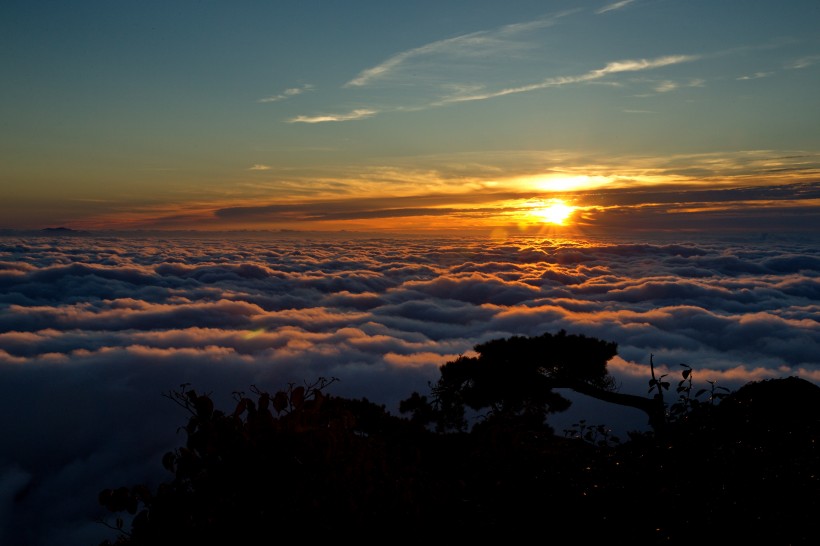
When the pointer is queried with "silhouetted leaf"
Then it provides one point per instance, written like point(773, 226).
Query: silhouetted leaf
point(204, 406)
point(280, 401)
point(297, 397)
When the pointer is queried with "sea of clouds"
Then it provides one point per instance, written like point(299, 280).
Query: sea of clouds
point(93, 331)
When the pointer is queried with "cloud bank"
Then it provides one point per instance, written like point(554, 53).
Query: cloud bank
point(94, 329)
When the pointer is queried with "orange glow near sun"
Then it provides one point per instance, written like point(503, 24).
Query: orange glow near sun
point(554, 212)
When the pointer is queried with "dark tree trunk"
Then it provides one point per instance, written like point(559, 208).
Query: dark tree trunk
point(653, 407)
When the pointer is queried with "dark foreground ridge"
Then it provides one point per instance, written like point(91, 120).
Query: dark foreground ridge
point(299, 464)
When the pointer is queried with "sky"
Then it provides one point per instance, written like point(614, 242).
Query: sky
point(266, 193)
point(390, 117)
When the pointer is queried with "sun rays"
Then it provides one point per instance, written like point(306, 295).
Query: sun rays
point(554, 211)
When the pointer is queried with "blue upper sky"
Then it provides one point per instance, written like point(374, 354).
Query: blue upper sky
point(163, 114)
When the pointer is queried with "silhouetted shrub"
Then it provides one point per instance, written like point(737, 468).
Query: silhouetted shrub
point(302, 465)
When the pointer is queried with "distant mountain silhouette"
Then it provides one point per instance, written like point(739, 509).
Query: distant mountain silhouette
point(62, 231)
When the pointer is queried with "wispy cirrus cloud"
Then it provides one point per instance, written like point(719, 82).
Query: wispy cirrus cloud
point(755, 76)
point(634, 65)
point(359, 113)
point(803, 62)
point(473, 45)
point(445, 70)
point(466, 93)
point(615, 67)
point(669, 85)
point(288, 93)
point(666, 86)
point(260, 167)
point(614, 6)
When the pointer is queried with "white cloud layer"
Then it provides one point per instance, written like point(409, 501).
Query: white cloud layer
point(94, 330)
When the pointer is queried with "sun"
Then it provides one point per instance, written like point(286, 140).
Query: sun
point(556, 212)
